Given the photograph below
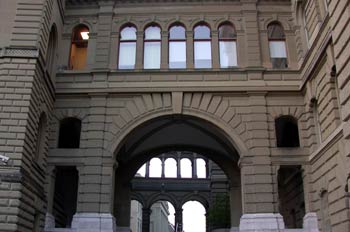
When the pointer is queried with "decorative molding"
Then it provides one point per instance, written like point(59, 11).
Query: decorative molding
point(19, 52)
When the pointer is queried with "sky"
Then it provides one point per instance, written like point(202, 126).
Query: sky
point(193, 214)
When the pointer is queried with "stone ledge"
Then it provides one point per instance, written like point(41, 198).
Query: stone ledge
point(264, 222)
point(19, 52)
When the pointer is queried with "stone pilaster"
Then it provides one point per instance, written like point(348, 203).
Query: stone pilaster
point(256, 169)
point(103, 39)
point(139, 50)
point(189, 50)
point(164, 51)
point(253, 50)
point(215, 49)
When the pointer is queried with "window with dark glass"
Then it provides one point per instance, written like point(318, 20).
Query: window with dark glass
point(69, 135)
point(177, 47)
point(202, 47)
point(127, 48)
point(78, 51)
point(277, 44)
point(287, 132)
point(152, 44)
point(227, 44)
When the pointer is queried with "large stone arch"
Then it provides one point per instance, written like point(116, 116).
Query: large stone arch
point(228, 131)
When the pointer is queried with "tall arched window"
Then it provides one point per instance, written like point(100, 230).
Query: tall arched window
point(127, 48)
point(78, 51)
point(51, 50)
point(170, 167)
point(228, 48)
point(152, 44)
point(277, 44)
point(202, 46)
point(69, 136)
point(201, 168)
point(287, 132)
point(186, 168)
point(191, 208)
point(177, 47)
point(155, 168)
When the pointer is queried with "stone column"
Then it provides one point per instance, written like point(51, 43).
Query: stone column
point(189, 50)
point(178, 160)
point(236, 206)
point(250, 15)
point(178, 220)
point(164, 50)
point(139, 50)
point(96, 176)
point(194, 167)
point(259, 206)
point(147, 169)
point(146, 219)
point(215, 49)
point(163, 167)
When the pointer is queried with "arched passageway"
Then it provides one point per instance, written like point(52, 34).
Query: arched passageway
point(188, 141)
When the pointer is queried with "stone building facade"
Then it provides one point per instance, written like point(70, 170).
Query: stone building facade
point(77, 119)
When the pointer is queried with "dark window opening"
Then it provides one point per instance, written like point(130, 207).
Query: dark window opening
point(65, 196)
point(287, 132)
point(291, 196)
point(69, 136)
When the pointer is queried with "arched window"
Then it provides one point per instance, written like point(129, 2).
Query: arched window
point(41, 138)
point(201, 168)
point(69, 135)
point(78, 51)
point(186, 168)
point(170, 167)
point(227, 44)
point(191, 208)
point(51, 50)
point(202, 46)
point(287, 132)
point(177, 47)
point(127, 48)
point(155, 168)
point(152, 44)
point(277, 44)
